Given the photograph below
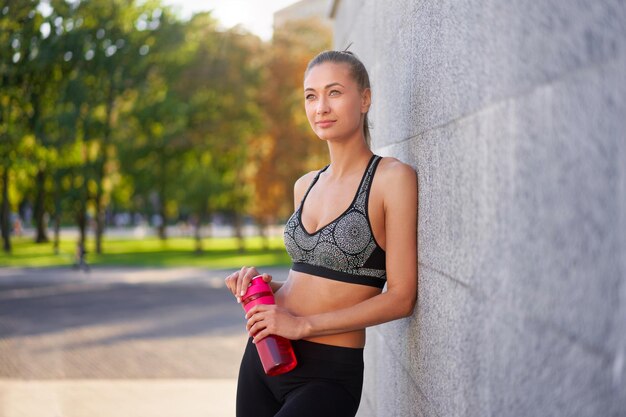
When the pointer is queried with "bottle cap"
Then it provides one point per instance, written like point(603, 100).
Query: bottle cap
point(257, 285)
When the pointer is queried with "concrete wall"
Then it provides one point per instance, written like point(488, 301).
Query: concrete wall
point(513, 113)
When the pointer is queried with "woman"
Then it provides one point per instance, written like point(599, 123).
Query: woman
point(353, 231)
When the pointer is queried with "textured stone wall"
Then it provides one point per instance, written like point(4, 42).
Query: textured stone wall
point(513, 113)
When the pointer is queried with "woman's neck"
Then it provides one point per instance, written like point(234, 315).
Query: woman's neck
point(347, 157)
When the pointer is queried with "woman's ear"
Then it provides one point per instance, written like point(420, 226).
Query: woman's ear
point(366, 100)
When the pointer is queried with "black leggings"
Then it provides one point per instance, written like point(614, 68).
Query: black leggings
point(326, 382)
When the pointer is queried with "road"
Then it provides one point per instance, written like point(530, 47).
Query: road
point(118, 342)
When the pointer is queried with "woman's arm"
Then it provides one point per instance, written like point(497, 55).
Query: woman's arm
point(400, 211)
point(238, 281)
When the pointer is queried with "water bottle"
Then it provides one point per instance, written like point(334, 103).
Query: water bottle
point(276, 353)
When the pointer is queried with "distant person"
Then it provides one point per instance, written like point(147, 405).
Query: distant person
point(80, 261)
point(353, 231)
point(17, 227)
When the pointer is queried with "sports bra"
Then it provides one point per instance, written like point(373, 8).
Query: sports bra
point(345, 249)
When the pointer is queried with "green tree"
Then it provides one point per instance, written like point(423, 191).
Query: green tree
point(238, 70)
point(113, 51)
point(153, 157)
point(19, 113)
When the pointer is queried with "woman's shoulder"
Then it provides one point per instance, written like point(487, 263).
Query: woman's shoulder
point(396, 179)
point(302, 183)
point(305, 180)
point(392, 168)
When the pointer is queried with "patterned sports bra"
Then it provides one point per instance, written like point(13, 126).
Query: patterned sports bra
point(345, 249)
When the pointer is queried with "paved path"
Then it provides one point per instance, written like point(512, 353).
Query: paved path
point(118, 342)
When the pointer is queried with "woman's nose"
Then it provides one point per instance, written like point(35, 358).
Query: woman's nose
point(322, 106)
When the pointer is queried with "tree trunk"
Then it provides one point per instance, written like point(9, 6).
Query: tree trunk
point(57, 232)
point(202, 214)
point(100, 208)
point(238, 223)
point(35, 100)
point(81, 215)
point(99, 218)
point(40, 207)
point(162, 226)
point(56, 219)
point(81, 220)
point(262, 225)
point(162, 199)
point(198, 235)
point(5, 210)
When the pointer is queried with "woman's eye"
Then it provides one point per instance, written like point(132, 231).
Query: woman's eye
point(335, 92)
point(309, 96)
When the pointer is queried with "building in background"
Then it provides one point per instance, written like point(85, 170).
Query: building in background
point(304, 9)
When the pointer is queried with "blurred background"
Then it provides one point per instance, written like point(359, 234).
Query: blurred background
point(142, 118)
point(147, 149)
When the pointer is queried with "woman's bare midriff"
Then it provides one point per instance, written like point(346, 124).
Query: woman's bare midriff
point(304, 294)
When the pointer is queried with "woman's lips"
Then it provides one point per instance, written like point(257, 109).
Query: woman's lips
point(325, 123)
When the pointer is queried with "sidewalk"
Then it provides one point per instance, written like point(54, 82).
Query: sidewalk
point(118, 398)
point(125, 275)
point(117, 342)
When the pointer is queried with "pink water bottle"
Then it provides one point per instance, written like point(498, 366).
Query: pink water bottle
point(275, 352)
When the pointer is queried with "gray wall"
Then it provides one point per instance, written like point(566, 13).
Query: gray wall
point(513, 113)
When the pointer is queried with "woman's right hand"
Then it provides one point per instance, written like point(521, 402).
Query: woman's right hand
point(238, 281)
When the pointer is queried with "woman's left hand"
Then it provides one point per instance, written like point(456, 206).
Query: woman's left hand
point(264, 320)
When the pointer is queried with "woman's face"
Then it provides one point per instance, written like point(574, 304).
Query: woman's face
point(334, 105)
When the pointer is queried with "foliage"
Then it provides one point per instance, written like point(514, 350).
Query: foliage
point(111, 106)
point(288, 148)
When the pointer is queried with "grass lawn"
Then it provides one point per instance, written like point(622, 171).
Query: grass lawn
point(173, 252)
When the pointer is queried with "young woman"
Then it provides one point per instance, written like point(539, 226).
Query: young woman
point(353, 231)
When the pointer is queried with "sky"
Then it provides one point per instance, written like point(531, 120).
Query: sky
point(254, 15)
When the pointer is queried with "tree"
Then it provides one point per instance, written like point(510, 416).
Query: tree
point(19, 28)
point(288, 148)
point(220, 83)
point(113, 101)
point(158, 120)
point(114, 65)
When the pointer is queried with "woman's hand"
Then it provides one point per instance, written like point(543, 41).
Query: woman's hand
point(264, 320)
point(238, 281)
